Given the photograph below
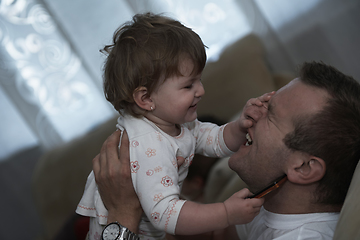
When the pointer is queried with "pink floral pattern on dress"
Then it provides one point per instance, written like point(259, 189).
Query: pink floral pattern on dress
point(155, 217)
point(149, 172)
point(150, 152)
point(188, 161)
point(158, 197)
point(134, 166)
point(158, 169)
point(202, 130)
point(174, 163)
point(97, 236)
point(209, 140)
point(134, 143)
point(167, 181)
point(158, 136)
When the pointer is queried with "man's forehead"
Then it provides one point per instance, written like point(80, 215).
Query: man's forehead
point(297, 98)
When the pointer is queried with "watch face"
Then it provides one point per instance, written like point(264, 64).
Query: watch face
point(111, 232)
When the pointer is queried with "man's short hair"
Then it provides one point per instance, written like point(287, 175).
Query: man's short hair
point(333, 133)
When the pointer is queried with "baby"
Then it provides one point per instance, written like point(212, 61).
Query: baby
point(152, 76)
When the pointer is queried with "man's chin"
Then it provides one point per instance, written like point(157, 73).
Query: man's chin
point(238, 157)
point(233, 164)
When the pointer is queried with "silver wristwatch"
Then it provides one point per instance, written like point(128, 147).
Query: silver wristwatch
point(115, 231)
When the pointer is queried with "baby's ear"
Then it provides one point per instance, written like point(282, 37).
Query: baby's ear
point(142, 98)
point(306, 169)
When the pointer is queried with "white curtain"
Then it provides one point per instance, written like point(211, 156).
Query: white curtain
point(50, 98)
point(50, 65)
point(218, 22)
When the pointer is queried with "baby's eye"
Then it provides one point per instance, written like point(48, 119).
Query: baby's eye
point(189, 86)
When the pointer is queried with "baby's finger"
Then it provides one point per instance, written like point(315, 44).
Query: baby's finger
point(259, 101)
point(254, 101)
point(266, 97)
point(256, 202)
point(259, 203)
point(248, 123)
point(254, 113)
point(243, 193)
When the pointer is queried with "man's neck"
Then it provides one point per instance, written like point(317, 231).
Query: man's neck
point(296, 199)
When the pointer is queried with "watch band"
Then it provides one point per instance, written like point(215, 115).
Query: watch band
point(125, 233)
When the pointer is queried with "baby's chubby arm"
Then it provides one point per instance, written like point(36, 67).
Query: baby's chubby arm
point(198, 218)
point(235, 132)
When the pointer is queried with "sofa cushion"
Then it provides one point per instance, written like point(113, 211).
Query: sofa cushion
point(239, 74)
point(60, 176)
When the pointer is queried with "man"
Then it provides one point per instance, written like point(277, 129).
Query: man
point(311, 133)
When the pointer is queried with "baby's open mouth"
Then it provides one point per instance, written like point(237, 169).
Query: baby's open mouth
point(249, 140)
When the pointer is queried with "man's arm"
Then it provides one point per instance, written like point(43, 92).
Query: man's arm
point(113, 177)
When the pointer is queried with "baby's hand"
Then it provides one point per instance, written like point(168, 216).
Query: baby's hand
point(253, 110)
point(240, 209)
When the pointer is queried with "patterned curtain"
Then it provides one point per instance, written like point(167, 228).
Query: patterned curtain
point(43, 78)
point(50, 93)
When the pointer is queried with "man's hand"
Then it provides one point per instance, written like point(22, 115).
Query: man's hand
point(113, 177)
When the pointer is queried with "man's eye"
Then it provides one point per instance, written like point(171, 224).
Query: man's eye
point(269, 119)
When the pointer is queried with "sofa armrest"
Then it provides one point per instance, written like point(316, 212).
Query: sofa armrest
point(60, 176)
point(349, 220)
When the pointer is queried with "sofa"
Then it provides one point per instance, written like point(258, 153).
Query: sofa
point(240, 73)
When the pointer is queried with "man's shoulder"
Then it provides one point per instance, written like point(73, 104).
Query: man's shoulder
point(323, 228)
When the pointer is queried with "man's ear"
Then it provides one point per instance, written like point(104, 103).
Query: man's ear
point(142, 98)
point(306, 169)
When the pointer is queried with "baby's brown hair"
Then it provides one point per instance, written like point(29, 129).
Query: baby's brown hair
point(145, 52)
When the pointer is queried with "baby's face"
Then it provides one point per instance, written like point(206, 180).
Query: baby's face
point(176, 99)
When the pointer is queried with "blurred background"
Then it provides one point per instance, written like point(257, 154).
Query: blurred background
point(51, 68)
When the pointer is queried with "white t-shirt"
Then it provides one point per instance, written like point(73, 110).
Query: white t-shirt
point(268, 225)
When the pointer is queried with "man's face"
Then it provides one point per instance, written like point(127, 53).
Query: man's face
point(268, 157)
